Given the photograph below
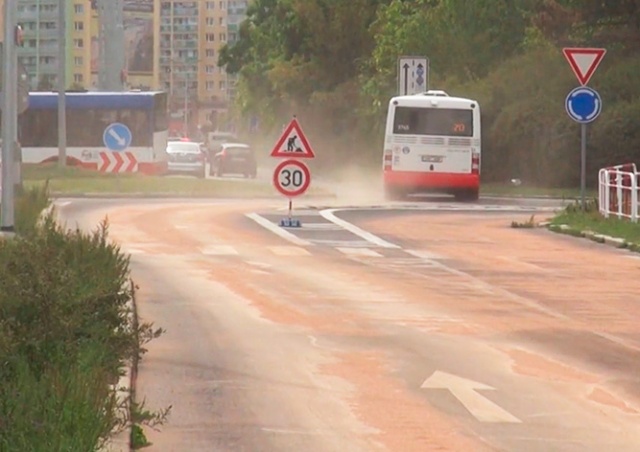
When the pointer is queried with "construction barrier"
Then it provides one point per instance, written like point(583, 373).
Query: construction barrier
point(618, 191)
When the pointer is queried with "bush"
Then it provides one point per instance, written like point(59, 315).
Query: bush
point(66, 334)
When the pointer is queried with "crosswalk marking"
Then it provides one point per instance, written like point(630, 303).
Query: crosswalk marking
point(289, 251)
point(220, 250)
point(359, 252)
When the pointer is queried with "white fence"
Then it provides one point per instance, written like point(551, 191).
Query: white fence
point(618, 191)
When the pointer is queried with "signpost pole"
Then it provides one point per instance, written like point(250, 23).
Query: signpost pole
point(290, 209)
point(62, 85)
point(9, 116)
point(583, 165)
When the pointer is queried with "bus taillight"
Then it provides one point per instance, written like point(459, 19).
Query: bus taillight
point(475, 163)
point(388, 157)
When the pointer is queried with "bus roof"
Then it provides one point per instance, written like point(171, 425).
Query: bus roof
point(144, 100)
point(433, 98)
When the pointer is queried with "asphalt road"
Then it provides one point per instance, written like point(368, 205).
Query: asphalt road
point(404, 327)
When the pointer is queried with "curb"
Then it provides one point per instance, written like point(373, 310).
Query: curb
point(120, 441)
point(63, 195)
point(615, 242)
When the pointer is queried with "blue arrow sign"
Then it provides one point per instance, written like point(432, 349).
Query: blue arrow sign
point(583, 104)
point(117, 137)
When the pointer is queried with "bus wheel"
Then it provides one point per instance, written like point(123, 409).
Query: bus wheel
point(467, 195)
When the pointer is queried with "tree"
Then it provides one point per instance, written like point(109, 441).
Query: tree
point(45, 83)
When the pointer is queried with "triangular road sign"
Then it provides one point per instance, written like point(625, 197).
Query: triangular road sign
point(583, 61)
point(293, 143)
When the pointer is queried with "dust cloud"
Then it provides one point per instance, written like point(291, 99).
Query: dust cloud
point(355, 186)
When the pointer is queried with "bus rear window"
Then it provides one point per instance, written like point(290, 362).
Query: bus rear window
point(433, 121)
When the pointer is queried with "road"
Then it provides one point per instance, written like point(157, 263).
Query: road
point(404, 327)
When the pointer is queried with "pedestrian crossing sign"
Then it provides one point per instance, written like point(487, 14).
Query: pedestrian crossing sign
point(293, 143)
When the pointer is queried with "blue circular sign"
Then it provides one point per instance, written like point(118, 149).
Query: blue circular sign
point(583, 104)
point(117, 137)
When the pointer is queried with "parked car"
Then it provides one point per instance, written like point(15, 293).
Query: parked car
point(234, 158)
point(186, 157)
point(215, 139)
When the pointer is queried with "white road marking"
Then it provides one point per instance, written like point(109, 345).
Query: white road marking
point(359, 252)
point(284, 431)
point(289, 251)
point(464, 390)
point(423, 254)
point(321, 226)
point(62, 203)
point(219, 250)
point(329, 215)
point(343, 243)
point(283, 233)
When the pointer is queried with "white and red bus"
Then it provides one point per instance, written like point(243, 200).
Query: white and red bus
point(432, 145)
point(89, 114)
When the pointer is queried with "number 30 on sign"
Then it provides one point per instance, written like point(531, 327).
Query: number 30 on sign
point(291, 178)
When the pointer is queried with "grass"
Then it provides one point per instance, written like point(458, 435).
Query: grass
point(590, 219)
point(493, 189)
point(77, 181)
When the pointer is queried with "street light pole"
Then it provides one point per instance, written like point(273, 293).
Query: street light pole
point(62, 85)
point(185, 126)
point(9, 115)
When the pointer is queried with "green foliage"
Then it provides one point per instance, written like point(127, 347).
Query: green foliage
point(66, 333)
point(333, 63)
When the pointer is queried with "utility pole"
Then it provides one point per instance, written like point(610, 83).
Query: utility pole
point(9, 115)
point(112, 46)
point(62, 84)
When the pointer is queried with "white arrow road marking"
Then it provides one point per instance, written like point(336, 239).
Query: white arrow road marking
point(121, 141)
point(464, 390)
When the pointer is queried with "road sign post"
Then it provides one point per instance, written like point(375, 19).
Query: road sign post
point(413, 75)
point(583, 104)
point(292, 177)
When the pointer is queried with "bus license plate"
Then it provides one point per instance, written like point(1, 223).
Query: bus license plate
point(432, 158)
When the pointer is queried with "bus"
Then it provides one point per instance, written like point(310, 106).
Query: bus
point(88, 115)
point(432, 145)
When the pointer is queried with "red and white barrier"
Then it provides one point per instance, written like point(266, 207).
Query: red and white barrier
point(618, 189)
point(118, 162)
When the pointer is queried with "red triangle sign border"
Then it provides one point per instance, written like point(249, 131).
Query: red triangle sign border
point(570, 52)
point(306, 147)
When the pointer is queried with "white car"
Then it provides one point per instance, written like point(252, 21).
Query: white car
point(186, 157)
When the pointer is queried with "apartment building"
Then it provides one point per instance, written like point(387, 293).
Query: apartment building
point(39, 20)
point(191, 36)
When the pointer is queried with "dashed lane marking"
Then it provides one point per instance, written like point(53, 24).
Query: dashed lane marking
point(289, 251)
point(220, 250)
point(359, 252)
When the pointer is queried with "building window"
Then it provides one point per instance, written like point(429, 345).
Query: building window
point(78, 26)
point(222, 85)
point(210, 21)
point(78, 8)
point(211, 5)
point(78, 61)
point(210, 37)
point(223, 37)
point(223, 5)
point(78, 43)
point(210, 53)
point(210, 86)
point(78, 78)
point(209, 69)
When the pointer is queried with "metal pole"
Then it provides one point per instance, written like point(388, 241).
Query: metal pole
point(583, 164)
point(62, 85)
point(9, 116)
point(186, 104)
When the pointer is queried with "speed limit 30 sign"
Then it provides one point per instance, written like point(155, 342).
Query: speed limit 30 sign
point(291, 178)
